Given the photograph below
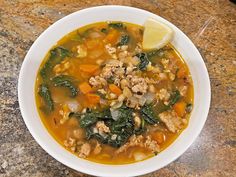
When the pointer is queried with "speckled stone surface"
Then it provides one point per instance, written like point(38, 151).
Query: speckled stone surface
point(211, 24)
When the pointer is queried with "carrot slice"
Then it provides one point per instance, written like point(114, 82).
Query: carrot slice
point(93, 98)
point(180, 108)
point(85, 87)
point(92, 43)
point(159, 137)
point(90, 69)
point(112, 36)
point(115, 89)
point(181, 72)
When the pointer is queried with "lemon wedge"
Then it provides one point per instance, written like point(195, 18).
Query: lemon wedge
point(156, 34)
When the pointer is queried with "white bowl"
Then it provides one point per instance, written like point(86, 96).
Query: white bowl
point(78, 19)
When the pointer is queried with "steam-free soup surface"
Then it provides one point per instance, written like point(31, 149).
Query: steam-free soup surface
point(105, 99)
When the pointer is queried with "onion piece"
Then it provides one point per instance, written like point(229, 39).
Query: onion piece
point(139, 156)
point(114, 114)
point(95, 34)
point(95, 53)
point(142, 100)
point(149, 97)
point(74, 106)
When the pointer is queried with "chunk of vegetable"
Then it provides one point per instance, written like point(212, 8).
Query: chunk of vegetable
point(117, 25)
point(181, 72)
point(56, 56)
point(148, 114)
point(93, 98)
point(159, 137)
point(189, 107)
point(174, 98)
point(65, 81)
point(180, 108)
point(45, 93)
point(90, 69)
point(88, 119)
point(124, 40)
point(143, 61)
point(104, 30)
point(123, 126)
point(93, 43)
point(112, 36)
point(85, 88)
point(115, 89)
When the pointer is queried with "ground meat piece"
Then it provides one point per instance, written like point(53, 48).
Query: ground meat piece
point(133, 141)
point(165, 62)
point(70, 143)
point(102, 128)
point(172, 121)
point(152, 145)
point(141, 142)
point(163, 95)
point(107, 72)
point(183, 90)
point(97, 81)
point(110, 49)
point(113, 68)
point(62, 67)
point(138, 84)
point(84, 150)
point(171, 76)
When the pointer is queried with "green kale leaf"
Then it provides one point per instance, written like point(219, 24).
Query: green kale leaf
point(65, 81)
point(45, 93)
point(143, 61)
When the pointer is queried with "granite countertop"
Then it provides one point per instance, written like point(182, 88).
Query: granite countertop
point(210, 24)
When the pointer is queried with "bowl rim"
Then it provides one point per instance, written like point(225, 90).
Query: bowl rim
point(59, 158)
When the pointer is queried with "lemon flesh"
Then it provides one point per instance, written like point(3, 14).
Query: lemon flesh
point(156, 34)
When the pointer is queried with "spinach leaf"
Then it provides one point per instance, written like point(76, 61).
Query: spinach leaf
point(76, 37)
point(174, 98)
point(91, 117)
point(45, 93)
point(123, 127)
point(105, 114)
point(88, 119)
point(161, 107)
point(87, 32)
point(156, 52)
point(142, 128)
point(65, 81)
point(56, 56)
point(189, 107)
point(148, 114)
point(110, 80)
point(125, 118)
point(124, 40)
point(116, 25)
point(104, 30)
point(143, 61)
point(75, 114)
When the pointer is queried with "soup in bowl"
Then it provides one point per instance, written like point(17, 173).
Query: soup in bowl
point(106, 99)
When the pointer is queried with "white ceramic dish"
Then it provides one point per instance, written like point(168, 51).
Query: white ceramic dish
point(75, 20)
